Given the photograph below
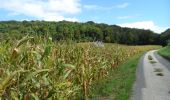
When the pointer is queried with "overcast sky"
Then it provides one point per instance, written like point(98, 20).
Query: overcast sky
point(144, 14)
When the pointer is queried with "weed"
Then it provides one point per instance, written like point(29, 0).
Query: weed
point(158, 70)
point(150, 57)
point(152, 62)
point(160, 74)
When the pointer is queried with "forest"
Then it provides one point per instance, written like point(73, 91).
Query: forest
point(82, 32)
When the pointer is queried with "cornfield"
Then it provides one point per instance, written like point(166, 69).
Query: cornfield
point(34, 68)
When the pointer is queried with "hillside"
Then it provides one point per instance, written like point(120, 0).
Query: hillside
point(79, 32)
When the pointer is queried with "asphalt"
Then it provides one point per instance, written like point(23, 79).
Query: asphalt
point(152, 78)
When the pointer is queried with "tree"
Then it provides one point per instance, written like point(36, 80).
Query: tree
point(79, 32)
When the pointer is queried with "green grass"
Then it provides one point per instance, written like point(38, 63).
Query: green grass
point(165, 52)
point(118, 86)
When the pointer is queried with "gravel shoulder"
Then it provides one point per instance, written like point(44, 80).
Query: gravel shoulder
point(152, 78)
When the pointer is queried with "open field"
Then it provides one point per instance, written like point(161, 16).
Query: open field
point(41, 69)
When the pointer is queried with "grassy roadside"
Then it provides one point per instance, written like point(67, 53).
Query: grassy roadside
point(165, 52)
point(118, 86)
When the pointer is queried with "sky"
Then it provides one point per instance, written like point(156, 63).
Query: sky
point(143, 14)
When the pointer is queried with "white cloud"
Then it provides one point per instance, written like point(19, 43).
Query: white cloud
point(145, 25)
point(124, 5)
point(128, 16)
point(91, 6)
point(124, 17)
point(97, 7)
point(53, 10)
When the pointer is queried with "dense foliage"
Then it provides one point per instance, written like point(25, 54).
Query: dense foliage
point(78, 32)
point(165, 37)
point(34, 68)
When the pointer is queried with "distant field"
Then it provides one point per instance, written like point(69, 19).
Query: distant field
point(32, 68)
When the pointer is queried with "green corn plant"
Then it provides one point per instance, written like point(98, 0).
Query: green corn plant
point(6, 82)
point(39, 69)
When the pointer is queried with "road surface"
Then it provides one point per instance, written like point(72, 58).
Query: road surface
point(152, 78)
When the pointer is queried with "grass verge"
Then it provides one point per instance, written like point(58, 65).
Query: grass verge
point(165, 52)
point(118, 86)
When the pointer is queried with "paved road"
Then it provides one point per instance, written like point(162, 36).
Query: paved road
point(153, 78)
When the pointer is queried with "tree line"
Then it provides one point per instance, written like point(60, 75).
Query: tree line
point(82, 32)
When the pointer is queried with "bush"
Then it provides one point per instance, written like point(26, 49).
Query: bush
point(168, 43)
